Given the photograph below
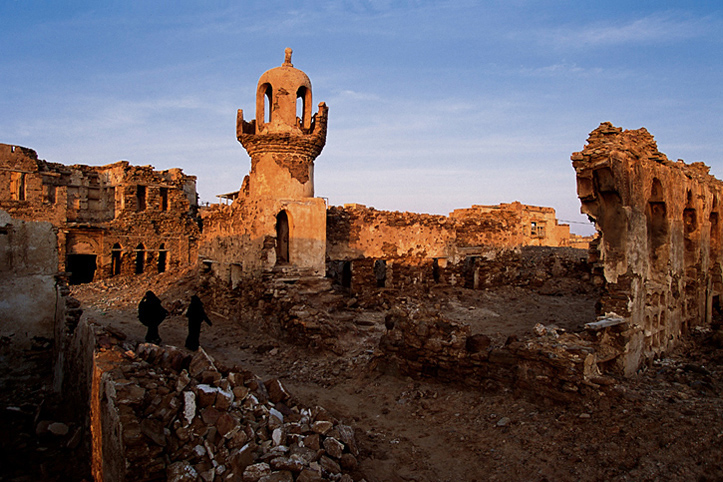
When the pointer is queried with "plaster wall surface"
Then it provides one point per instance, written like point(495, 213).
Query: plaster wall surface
point(658, 255)
point(28, 289)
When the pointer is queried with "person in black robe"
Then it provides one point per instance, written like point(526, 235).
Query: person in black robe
point(196, 316)
point(151, 314)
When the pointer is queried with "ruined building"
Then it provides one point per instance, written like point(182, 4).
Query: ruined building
point(110, 220)
point(658, 255)
point(275, 221)
point(276, 225)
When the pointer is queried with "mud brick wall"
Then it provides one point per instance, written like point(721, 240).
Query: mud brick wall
point(659, 253)
point(431, 248)
point(162, 413)
point(552, 365)
point(111, 220)
point(549, 270)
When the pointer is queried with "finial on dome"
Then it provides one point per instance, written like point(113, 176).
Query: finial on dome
point(287, 60)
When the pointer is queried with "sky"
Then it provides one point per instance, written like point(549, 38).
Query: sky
point(433, 105)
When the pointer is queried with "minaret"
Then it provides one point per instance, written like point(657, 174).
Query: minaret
point(285, 138)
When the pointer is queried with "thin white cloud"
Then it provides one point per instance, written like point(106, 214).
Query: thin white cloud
point(657, 28)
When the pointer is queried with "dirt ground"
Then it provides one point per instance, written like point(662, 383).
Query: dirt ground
point(665, 424)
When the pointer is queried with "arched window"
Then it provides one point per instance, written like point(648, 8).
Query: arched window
point(282, 238)
point(657, 215)
point(162, 253)
point(115, 259)
point(303, 107)
point(140, 258)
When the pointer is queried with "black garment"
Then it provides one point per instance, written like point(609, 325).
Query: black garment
point(196, 316)
point(151, 314)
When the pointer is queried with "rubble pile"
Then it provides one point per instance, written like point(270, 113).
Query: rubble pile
point(554, 364)
point(182, 417)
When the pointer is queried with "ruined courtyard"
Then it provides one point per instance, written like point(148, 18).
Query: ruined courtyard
point(355, 344)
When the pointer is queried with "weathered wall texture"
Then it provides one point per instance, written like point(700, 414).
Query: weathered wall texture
point(30, 301)
point(241, 239)
point(111, 220)
point(365, 245)
point(659, 251)
point(550, 365)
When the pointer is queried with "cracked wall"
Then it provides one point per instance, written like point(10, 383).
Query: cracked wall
point(658, 252)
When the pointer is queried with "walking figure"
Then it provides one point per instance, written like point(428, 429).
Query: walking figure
point(196, 316)
point(151, 314)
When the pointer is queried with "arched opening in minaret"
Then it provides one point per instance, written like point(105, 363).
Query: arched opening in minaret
point(267, 92)
point(302, 102)
point(282, 238)
point(303, 107)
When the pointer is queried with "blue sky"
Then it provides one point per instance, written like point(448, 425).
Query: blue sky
point(433, 105)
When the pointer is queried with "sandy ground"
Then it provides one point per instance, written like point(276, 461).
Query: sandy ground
point(665, 424)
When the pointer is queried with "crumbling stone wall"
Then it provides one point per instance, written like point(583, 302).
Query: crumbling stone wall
point(111, 220)
point(557, 366)
point(408, 248)
point(658, 253)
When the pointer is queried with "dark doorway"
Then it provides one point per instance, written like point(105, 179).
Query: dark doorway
point(346, 275)
point(81, 267)
point(282, 238)
point(162, 258)
point(115, 260)
point(435, 270)
point(140, 258)
point(380, 272)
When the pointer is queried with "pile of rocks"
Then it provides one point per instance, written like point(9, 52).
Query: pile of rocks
point(181, 417)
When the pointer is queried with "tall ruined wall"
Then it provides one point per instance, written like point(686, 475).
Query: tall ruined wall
point(30, 301)
point(112, 220)
point(658, 254)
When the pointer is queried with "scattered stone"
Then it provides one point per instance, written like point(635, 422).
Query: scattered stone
point(504, 421)
point(58, 428)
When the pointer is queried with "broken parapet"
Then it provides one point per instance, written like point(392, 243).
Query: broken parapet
point(554, 366)
point(163, 413)
point(658, 256)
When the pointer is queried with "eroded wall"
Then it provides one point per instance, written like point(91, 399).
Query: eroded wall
point(112, 220)
point(29, 299)
point(658, 255)
point(366, 247)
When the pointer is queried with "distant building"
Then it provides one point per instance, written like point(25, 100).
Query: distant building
point(110, 220)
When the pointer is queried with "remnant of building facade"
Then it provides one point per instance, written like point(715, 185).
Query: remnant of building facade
point(29, 304)
point(365, 245)
point(275, 221)
point(110, 220)
point(659, 250)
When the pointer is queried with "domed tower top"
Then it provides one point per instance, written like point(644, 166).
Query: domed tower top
point(283, 100)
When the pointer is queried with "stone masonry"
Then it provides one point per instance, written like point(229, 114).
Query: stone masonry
point(110, 220)
point(658, 255)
